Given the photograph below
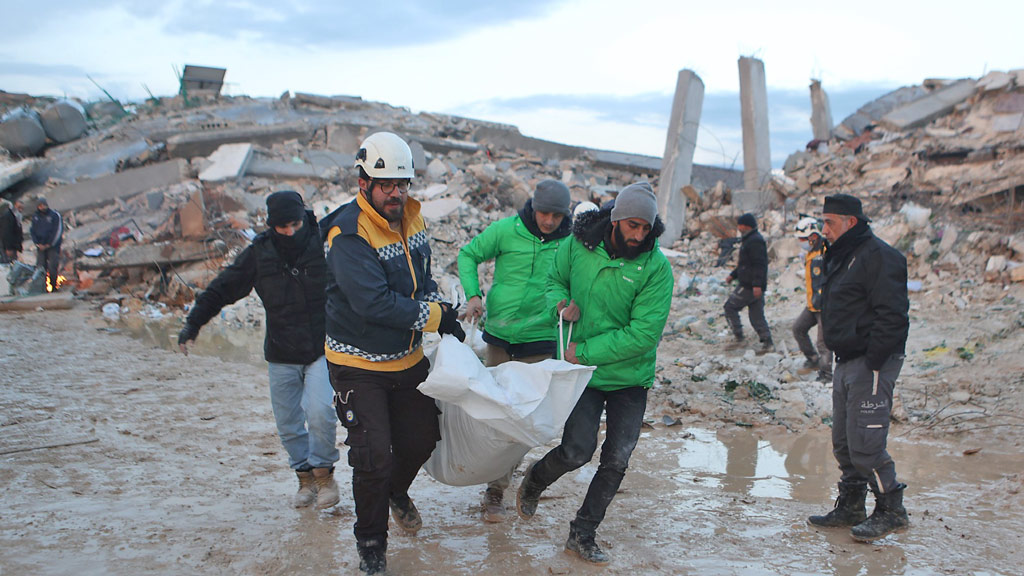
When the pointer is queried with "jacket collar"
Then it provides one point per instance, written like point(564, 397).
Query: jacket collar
point(592, 228)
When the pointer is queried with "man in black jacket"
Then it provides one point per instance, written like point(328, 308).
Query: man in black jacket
point(751, 274)
point(286, 266)
point(11, 232)
point(864, 313)
point(47, 232)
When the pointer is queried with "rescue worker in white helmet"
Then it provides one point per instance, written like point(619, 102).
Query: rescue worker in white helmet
point(809, 230)
point(381, 297)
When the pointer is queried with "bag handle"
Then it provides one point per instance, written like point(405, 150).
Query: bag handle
point(561, 338)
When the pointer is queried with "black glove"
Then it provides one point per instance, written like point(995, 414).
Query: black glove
point(450, 323)
point(189, 332)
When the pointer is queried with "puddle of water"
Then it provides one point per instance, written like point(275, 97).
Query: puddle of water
point(224, 342)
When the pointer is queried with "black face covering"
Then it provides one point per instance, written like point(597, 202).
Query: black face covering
point(290, 247)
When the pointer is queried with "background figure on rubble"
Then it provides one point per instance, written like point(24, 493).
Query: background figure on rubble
point(820, 359)
point(751, 274)
point(11, 233)
point(613, 281)
point(381, 297)
point(286, 266)
point(519, 325)
point(865, 315)
point(47, 233)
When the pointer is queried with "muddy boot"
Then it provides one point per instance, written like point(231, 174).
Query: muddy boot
point(307, 489)
point(849, 510)
point(766, 347)
point(494, 505)
point(585, 546)
point(405, 513)
point(528, 494)
point(326, 489)
point(372, 556)
point(735, 344)
point(825, 376)
point(889, 516)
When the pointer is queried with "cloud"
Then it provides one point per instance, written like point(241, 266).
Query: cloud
point(39, 70)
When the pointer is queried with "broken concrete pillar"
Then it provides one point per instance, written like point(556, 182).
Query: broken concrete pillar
point(757, 158)
point(64, 120)
point(677, 163)
point(21, 133)
point(821, 112)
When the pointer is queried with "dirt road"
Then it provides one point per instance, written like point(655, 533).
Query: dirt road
point(172, 466)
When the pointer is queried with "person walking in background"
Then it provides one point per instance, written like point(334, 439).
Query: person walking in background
point(820, 359)
point(751, 275)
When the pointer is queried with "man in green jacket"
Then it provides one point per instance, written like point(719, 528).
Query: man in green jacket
point(613, 281)
point(519, 325)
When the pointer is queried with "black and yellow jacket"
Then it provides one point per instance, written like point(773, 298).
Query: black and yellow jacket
point(814, 274)
point(380, 294)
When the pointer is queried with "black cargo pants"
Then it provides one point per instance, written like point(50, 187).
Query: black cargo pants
point(392, 429)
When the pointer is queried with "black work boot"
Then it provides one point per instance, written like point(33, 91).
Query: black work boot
point(405, 513)
point(849, 510)
point(373, 555)
point(889, 516)
point(528, 494)
point(585, 546)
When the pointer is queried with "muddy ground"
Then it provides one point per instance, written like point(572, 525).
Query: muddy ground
point(119, 456)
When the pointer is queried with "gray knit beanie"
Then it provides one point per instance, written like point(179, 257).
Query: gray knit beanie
point(636, 201)
point(551, 196)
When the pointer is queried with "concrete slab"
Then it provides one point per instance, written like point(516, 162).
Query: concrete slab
point(163, 254)
point(204, 143)
point(11, 174)
point(326, 160)
point(1000, 123)
point(923, 110)
point(229, 162)
point(680, 144)
point(100, 191)
point(436, 209)
point(58, 301)
point(283, 169)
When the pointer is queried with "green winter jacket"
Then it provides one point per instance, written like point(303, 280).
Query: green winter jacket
point(516, 306)
point(624, 304)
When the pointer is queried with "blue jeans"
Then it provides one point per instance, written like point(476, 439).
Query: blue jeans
point(306, 422)
point(624, 410)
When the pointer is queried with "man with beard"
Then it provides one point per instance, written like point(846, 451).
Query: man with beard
point(613, 281)
point(47, 233)
point(381, 297)
point(285, 264)
point(865, 315)
point(519, 325)
point(751, 274)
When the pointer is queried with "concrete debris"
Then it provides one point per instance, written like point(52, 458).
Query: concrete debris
point(11, 174)
point(228, 162)
point(925, 109)
point(106, 189)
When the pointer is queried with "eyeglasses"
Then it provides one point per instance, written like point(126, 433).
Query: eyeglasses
point(388, 187)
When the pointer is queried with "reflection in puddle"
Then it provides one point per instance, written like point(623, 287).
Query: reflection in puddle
point(740, 463)
point(225, 342)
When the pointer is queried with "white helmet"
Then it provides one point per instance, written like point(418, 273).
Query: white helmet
point(584, 207)
point(385, 155)
point(807, 226)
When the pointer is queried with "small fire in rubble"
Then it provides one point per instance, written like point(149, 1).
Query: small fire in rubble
point(60, 282)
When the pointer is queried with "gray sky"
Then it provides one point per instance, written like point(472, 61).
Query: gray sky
point(597, 72)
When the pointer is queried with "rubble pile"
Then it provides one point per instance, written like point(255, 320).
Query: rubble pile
point(157, 202)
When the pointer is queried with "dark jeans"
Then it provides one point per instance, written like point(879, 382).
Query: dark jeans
point(743, 297)
point(392, 429)
point(860, 421)
point(49, 260)
point(624, 414)
point(801, 328)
